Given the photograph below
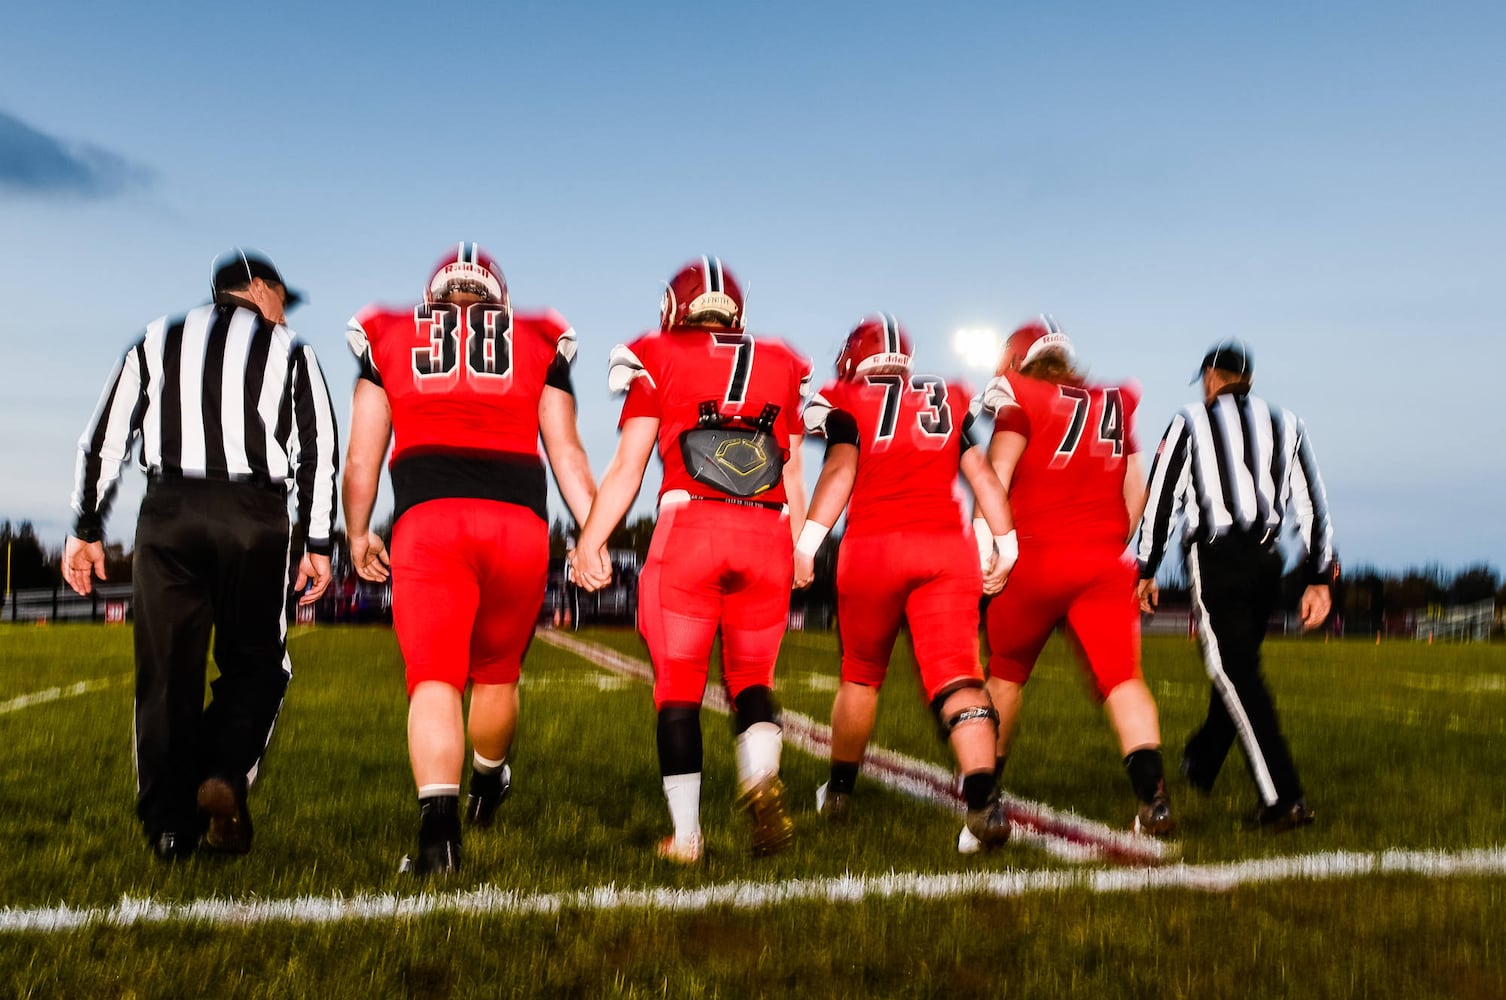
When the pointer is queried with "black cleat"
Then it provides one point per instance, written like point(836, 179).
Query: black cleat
point(1282, 817)
point(439, 858)
point(170, 846)
point(488, 791)
point(228, 821)
point(1154, 818)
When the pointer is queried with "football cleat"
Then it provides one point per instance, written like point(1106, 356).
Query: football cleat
point(682, 852)
point(439, 858)
point(773, 830)
point(834, 807)
point(876, 346)
point(1154, 818)
point(987, 828)
point(702, 293)
point(487, 794)
point(170, 846)
point(467, 270)
point(223, 806)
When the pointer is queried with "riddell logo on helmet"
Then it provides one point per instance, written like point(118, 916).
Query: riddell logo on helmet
point(884, 362)
point(461, 271)
point(712, 302)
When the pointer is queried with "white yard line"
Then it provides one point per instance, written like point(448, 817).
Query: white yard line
point(58, 693)
point(492, 901)
point(1062, 834)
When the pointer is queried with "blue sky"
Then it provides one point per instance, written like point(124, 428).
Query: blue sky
point(1326, 183)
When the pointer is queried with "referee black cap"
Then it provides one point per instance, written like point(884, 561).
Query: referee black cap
point(236, 267)
point(1231, 355)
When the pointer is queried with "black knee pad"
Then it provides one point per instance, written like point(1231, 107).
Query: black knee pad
point(756, 704)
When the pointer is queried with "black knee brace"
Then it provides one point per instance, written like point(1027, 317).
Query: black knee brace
point(975, 713)
point(756, 704)
point(679, 739)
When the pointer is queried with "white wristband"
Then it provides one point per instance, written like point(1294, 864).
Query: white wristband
point(985, 540)
point(1008, 547)
point(811, 537)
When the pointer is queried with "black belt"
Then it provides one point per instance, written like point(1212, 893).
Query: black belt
point(738, 502)
point(258, 479)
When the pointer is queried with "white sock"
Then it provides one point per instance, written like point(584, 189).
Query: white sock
point(757, 754)
point(437, 791)
point(683, 791)
point(485, 765)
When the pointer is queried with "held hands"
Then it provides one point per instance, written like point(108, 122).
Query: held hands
point(313, 572)
point(80, 559)
point(591, 568)
point(1003, 553)
point(1149, 594)
point(805, 570)
point(368, 554)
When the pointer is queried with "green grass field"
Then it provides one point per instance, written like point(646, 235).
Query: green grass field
point(1402, 747)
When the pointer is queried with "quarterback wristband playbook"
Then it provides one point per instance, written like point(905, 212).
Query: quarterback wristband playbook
point(811, 537)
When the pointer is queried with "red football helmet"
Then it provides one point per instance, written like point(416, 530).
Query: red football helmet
point(468, 268)
point(702, 292)
point(1031, 341)
point(877, 345)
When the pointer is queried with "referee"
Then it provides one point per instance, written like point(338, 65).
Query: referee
point(1239, 470)
point(230, 410)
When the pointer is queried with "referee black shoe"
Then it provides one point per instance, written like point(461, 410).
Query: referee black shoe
point(222, 803)
point(1283, 816)
point(170, 846)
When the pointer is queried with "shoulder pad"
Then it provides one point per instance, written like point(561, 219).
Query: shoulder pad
point(623, 366)
point(998, 394)
point(814, 415)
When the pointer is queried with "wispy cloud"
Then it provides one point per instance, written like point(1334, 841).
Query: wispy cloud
point(35, 163)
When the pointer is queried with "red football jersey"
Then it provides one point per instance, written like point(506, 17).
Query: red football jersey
point(1068, 486)
point(464, 385)
point(911, 434)
point(669, 375)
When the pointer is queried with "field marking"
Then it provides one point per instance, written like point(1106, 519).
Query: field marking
point(1063, 835)
point(52, 694)
point(746, 895)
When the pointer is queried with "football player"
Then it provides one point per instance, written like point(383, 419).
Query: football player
point(722, 408)
point(895, 442)
point(463, 387)
point(1065, 450)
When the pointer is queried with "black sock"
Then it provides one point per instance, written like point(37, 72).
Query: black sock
point(438, 818)
point(999, 768)
point(1145, 772)
point(978, 789)
point(844, 775)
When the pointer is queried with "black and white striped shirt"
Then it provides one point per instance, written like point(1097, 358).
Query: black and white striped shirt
point(220, 393)
point(1236, 465)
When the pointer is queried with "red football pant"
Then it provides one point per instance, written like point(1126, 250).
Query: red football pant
point(715, 565)
point(931, 580)
point(467, 585)
point(1091, 590)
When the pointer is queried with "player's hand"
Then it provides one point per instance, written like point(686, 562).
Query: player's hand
point(368, 554)
point(80, 560)
point(805, 570)
point(1149, 594)
point(1316, 603)
point(592, 568)
point(313, 573)
point(996, 574)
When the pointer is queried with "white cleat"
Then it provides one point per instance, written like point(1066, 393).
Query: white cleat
point(967, 843)
point(682, 852)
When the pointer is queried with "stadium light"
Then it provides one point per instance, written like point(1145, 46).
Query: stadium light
point(977, 346)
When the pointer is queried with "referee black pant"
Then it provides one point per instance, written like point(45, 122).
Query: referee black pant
point(210, 557)
point(1236, 582)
